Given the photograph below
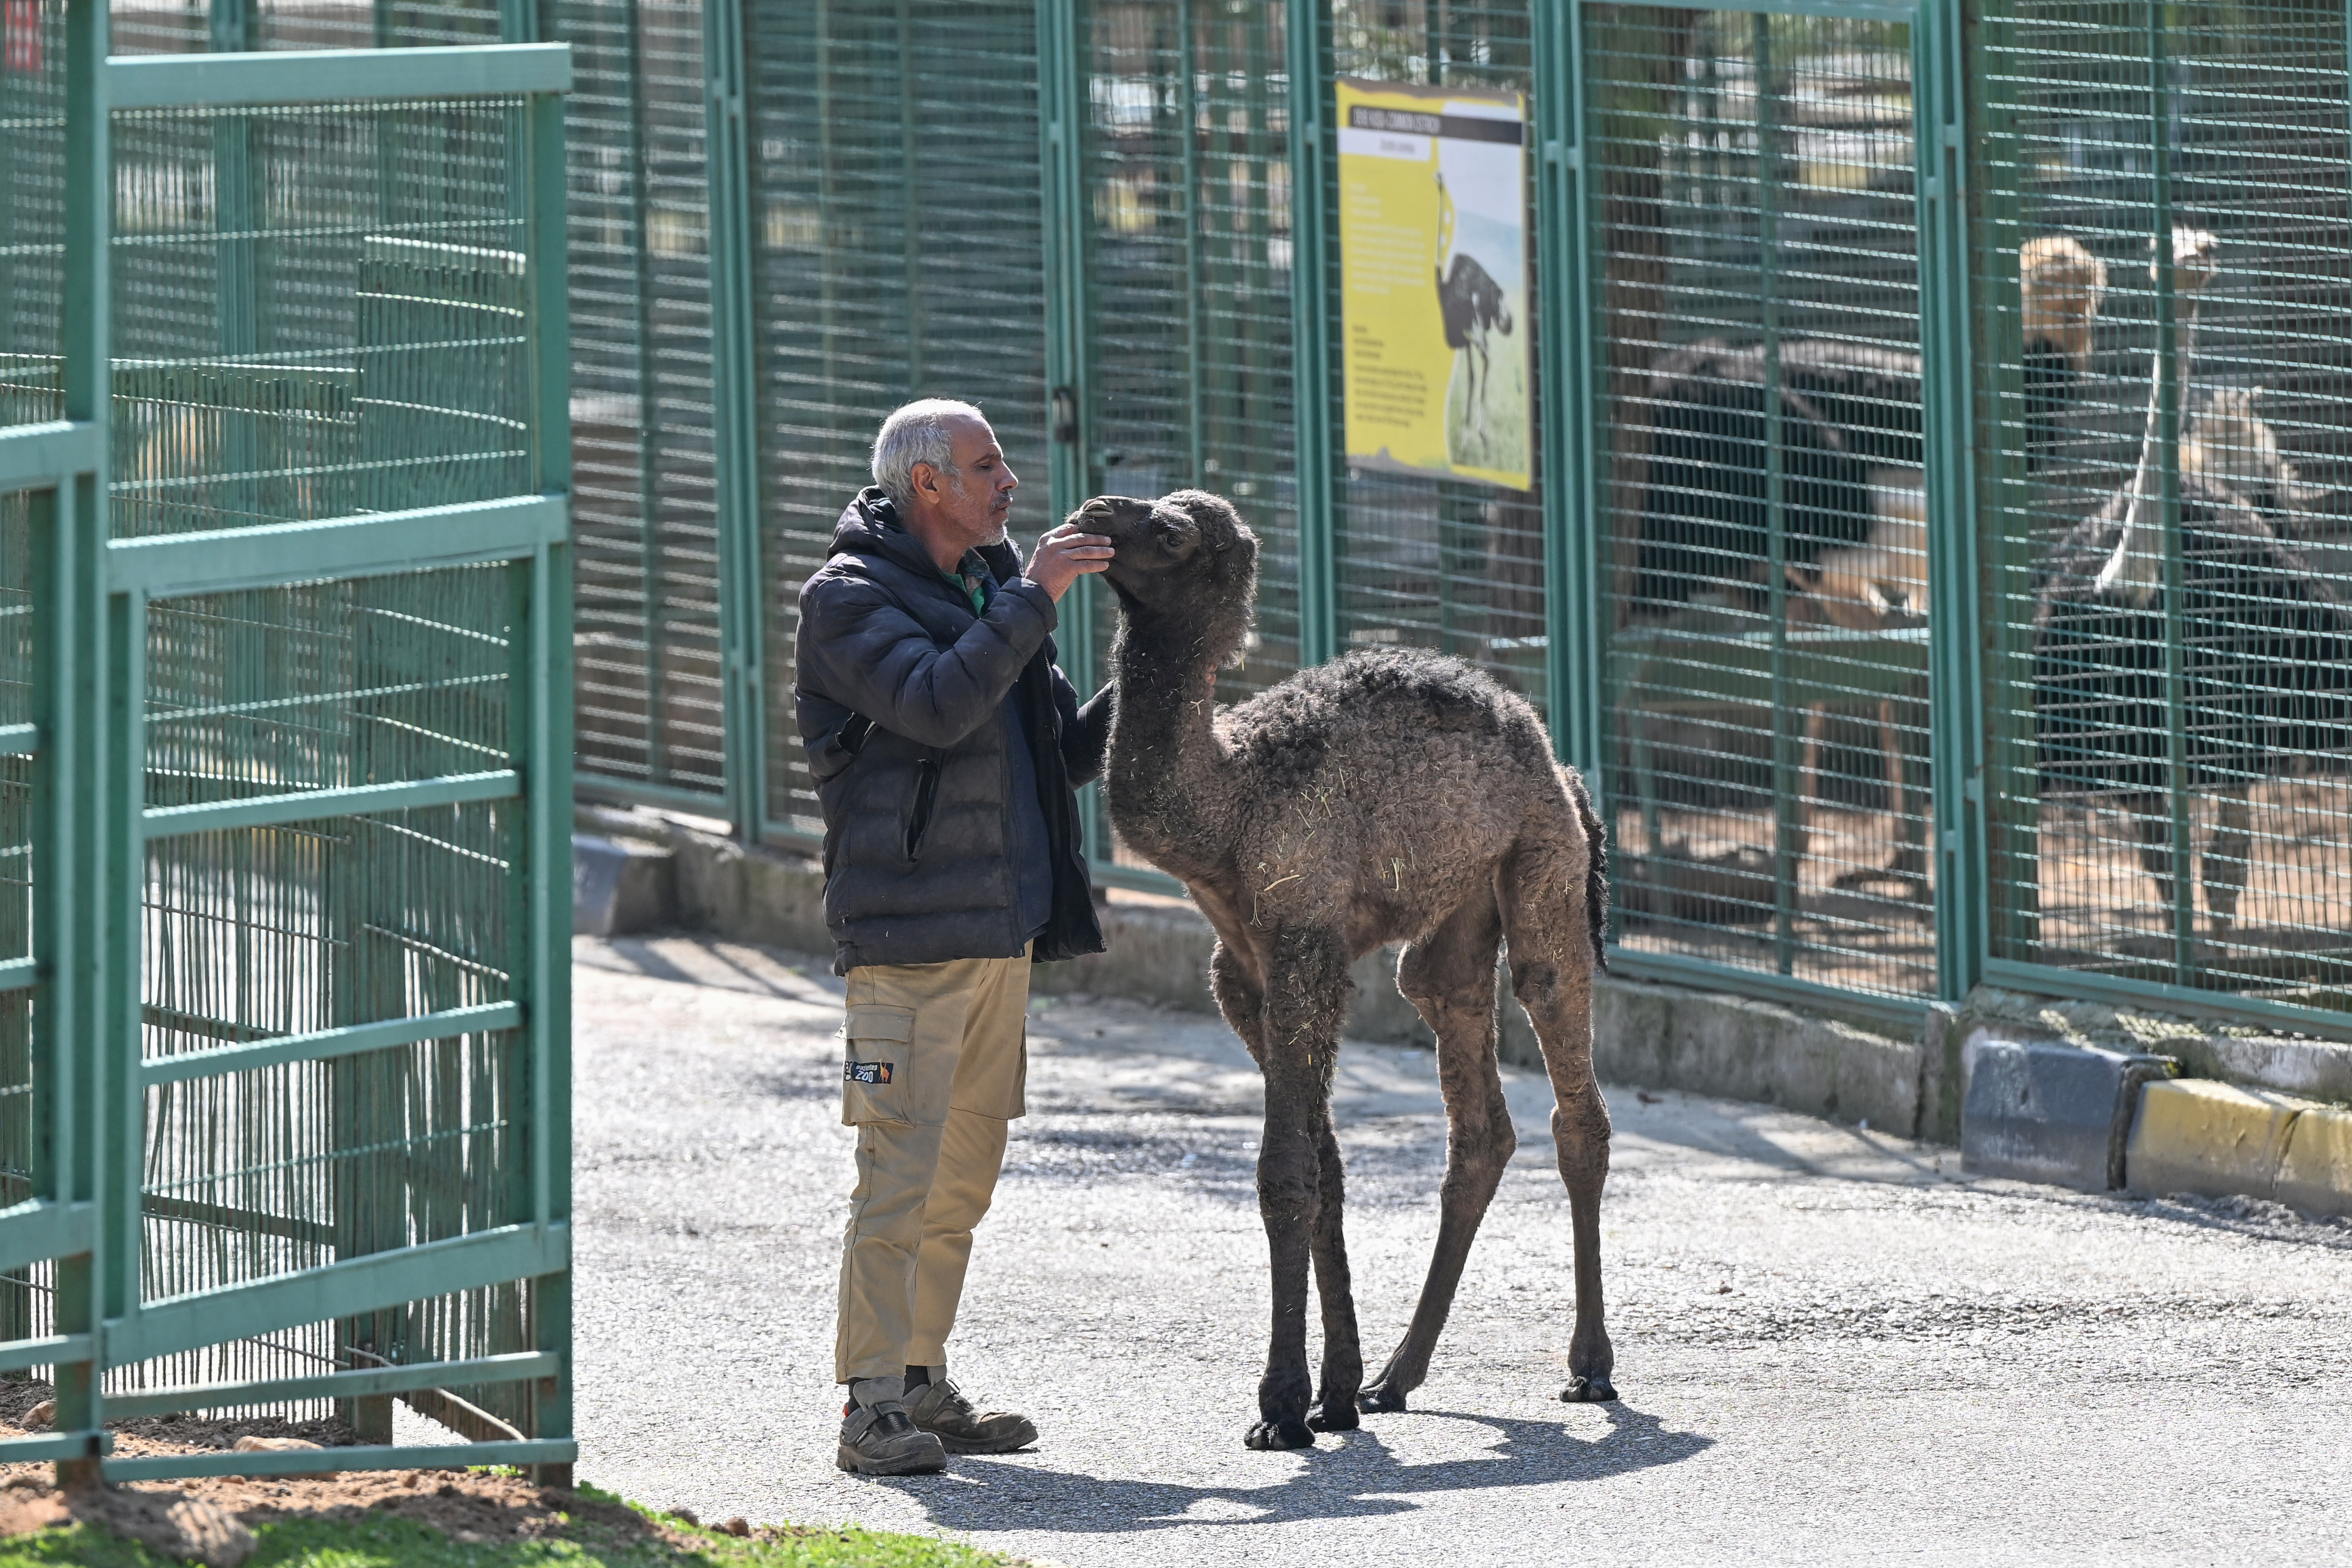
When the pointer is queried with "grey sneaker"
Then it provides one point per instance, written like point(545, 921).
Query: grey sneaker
point(880, 1441)
point(942, 1409)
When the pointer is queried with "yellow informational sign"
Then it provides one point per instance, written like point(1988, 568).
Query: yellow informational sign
point(1432, 261)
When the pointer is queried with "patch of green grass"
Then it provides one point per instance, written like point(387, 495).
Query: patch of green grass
point(384, 1542)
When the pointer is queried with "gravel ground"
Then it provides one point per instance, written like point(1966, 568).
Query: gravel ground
point(1832, 1348)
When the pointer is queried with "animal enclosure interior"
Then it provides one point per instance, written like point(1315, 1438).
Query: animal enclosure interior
point(2167, 691)
point(1764, 530)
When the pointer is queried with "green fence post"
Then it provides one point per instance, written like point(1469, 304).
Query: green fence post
point(1061, 130)
point(734, 417)
point(1188, 122)
point(86, 985)
point(1306, 65)
point(2179, 797)
point(546, 758)
point(1576, 609)
point(121, 792)
point(1957, 687)
point(237, 219)
point(2001, 797)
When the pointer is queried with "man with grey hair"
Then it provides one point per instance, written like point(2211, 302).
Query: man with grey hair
point(945, 745)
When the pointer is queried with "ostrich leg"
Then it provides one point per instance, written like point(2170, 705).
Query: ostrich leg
point(2225, 856)
point(1550, 949)
point(2153, 823)
point(1306, 998)
point(1449, 977)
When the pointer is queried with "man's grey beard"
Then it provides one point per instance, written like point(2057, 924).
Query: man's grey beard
point(1004, 530)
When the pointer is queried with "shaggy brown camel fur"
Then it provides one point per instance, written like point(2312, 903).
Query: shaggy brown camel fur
point(1387, 796)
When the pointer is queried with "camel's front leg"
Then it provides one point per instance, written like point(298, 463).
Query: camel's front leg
point(1306, 994)
point(1343, 1351)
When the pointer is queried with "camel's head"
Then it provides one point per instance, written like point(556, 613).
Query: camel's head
point(1183, 554)
point(1185, 571)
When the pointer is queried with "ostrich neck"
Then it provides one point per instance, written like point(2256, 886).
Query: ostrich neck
point(1166, 761)
point(2133, 567)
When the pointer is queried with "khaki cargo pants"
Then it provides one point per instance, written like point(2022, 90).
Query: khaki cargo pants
point(935, 1058)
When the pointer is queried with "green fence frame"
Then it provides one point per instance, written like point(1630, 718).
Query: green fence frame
point(91, 599)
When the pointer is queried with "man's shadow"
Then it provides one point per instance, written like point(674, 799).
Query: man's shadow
point(1356, 1476)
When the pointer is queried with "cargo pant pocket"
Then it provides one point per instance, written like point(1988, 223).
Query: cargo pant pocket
point(876, 1064)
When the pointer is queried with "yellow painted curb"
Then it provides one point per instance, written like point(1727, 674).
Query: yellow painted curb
point(2315, 1175)
point(2194, 1135)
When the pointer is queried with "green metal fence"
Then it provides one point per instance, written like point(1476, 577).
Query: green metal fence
point(2168, 750)
point(286, 545)
point(1842, 317)
point(1763, 540)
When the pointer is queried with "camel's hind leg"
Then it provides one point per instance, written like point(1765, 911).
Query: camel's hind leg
point(1550, 944)
point(1449, 976)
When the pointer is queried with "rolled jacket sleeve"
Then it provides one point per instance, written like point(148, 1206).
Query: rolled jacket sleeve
point(877, 659)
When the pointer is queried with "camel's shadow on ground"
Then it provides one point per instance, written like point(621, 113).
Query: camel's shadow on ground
point(1352, 1475)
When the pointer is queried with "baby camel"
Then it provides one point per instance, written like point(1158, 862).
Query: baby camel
point(1386, 796)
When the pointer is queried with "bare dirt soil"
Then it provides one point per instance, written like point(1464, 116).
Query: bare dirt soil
point(202, 1519)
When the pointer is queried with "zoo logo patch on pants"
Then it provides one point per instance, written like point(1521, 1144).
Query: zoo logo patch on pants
point(866, 1072)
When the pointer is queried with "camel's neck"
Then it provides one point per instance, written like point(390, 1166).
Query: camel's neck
point(2136, 566)
point(1166, 761)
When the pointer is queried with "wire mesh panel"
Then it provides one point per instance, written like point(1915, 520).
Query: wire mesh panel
point(346, 1016)
point(2170, 590)
point(173, 26)
point(1450, 563)
point(648, 661)
point(896, 238)
point(1185, 165)
point(32, 247)
point(1188, 285)
point(1764, 545)
point(247, 391)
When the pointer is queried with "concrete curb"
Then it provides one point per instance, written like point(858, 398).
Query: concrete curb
point(2216, 1140)
point(620, 885)
point(2052, 1113)
point(2234, 1053)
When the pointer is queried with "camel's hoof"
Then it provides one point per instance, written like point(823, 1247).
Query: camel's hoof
point(1589, 1391)
point(1327, 1417)
point(1278, 1434)
point(1381, 1400)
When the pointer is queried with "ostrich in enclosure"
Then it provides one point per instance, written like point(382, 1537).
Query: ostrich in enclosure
point(1389, 795)
point(1853, 504)
point(2265, 662)
point(1851, 444)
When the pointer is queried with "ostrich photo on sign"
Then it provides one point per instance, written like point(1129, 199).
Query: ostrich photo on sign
point(1432, 250)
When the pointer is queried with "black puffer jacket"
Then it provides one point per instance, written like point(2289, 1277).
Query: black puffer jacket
point(917, 809)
